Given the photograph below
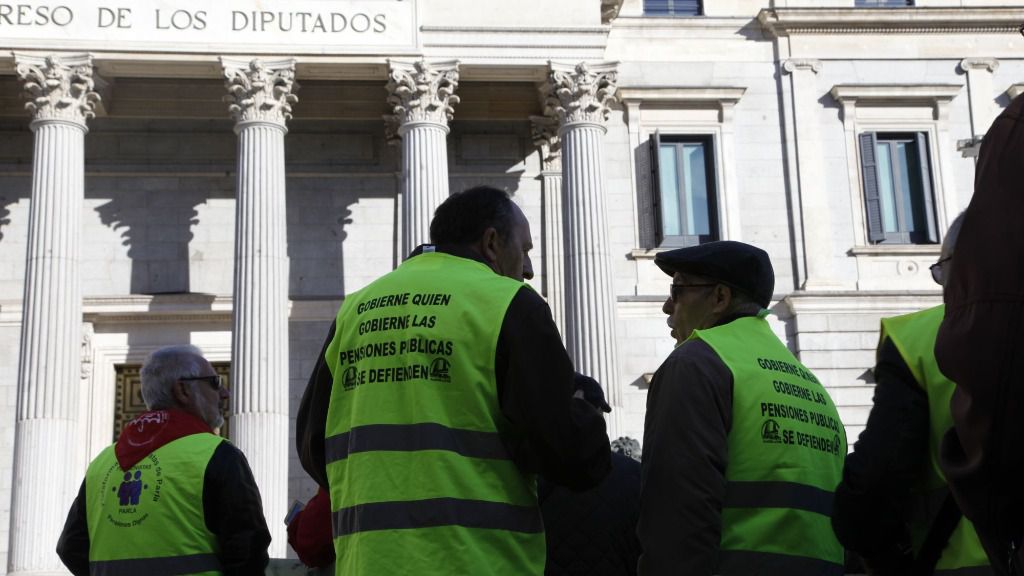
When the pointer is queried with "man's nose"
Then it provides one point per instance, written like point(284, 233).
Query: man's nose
point(668, 306)
point(527, 268)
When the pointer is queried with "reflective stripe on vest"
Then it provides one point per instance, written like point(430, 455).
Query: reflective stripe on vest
point(149, 519)
point(914, 337)
point(742, 561)
point(169, 566)
point(786, 450)
point(436, 512)
point(418, 472)
point(413, 437)
point(778, 495)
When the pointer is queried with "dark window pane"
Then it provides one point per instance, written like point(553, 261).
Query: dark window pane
point(672, 7)
point(887, 189)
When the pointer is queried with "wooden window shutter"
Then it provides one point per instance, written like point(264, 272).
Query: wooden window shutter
point(869, 173)
point(926, 186)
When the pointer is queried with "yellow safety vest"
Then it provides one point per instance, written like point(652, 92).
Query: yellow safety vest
point(420, 479)
point(914, 337)
point(786, 451)
point(149, 518)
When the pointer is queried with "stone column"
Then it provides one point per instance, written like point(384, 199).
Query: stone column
point(420, 97)
point(815, 205)
point(979, 73)
point(545, 138)
point(579, 97)
point(61, 99)
point(260, 96)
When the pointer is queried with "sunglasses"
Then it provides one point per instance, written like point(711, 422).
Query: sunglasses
point(213, 381)
point(676, 289)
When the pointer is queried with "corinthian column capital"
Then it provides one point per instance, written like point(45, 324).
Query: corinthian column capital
point(581, 92)
point(58, 87)
point(260, 90)
point(421, 92)
point(544, 132)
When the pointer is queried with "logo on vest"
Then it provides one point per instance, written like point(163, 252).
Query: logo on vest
point(770, 432)
point(135, 489)
point(439, 370)
point(350, 379)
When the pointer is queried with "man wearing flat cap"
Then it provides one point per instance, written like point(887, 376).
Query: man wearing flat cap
point(743, 446)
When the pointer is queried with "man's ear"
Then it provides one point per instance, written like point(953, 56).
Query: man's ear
point(490, 243)
point(723, 299)
point(182, 393)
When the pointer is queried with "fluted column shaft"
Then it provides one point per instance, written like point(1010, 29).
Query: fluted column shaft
point(49, 364)
point(259, 342)
point(424, 179)
point(579, 96)
point(554, 234)
point(421, 96)
point(590, 325)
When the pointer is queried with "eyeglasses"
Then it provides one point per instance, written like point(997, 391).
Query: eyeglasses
point(936, 269)
point(675, 289)
point(212, 381)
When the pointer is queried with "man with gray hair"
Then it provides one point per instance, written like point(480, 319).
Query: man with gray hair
point(170, 496)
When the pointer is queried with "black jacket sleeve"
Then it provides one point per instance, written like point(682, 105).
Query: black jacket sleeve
point(234, 512)
point(552, 433)
point(311, 420)
point(686, 452)
point(869, 512)
point(73, 545)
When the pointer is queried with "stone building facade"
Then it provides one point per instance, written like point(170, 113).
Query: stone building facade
point(223, 173)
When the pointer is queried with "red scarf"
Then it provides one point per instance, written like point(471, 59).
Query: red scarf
point(152, 430)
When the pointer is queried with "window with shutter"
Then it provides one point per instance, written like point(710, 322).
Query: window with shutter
point(897, 188)
point(673, 8)
point(683, 193)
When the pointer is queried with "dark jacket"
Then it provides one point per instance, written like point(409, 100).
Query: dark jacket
point(686, 452)
point(870, 516)
point(552, 433)
point(981, 340)
point(593, 533)
point(231, 506)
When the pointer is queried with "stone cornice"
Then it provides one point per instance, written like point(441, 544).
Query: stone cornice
point(580, 93)
point(682, 94)
point(980, 20)
point(725, 98)
point(935, 96)
point(860, 302)
point(896, 92)
point(58, 87)
point(260, 90)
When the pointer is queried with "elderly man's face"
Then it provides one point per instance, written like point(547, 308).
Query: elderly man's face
point(206, 400)
point(693, 307)
point(512, 254)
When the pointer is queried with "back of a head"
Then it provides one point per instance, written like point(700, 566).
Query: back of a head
point(949, 242)
point(464, 216)
point(163, 368)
